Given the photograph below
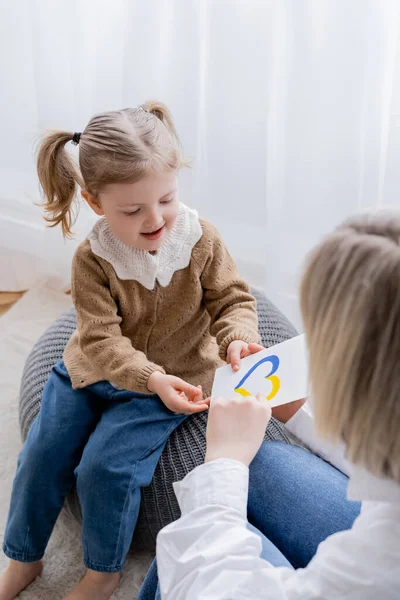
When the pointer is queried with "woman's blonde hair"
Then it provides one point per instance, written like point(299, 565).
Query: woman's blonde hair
point(116, 147)
point(350, 302)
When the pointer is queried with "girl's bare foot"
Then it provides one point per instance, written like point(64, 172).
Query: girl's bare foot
point(17, 577)
point(95, 586)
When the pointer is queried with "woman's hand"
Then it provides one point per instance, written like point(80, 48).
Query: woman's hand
point(236, 427)
point(237, 350)
point(180, 397)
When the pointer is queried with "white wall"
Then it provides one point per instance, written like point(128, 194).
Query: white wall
point(289, 108)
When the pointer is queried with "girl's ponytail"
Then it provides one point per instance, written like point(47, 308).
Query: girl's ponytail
point(58, 178)
point(159, 110)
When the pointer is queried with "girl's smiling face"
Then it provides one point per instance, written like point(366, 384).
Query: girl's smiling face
point(140, 214)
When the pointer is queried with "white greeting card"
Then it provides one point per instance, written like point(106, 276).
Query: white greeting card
point(279, 373)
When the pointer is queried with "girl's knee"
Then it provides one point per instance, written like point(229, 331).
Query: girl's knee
point(36, 456)
point(91, 472)
point(45, 441)
point(95, 472)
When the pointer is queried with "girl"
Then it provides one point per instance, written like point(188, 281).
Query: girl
point(350, 300)
point(159, 306)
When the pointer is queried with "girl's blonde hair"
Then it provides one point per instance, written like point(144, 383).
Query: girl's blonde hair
point(116, 147)
point(350, 301)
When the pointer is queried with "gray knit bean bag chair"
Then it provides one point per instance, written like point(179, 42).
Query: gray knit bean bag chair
point(186, 446)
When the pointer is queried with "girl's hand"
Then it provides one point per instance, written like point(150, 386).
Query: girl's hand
point(180, 397)
point(237, 350)
point(236, 427)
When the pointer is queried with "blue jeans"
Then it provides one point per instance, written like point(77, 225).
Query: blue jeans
point(109, 440)
point(296, 500)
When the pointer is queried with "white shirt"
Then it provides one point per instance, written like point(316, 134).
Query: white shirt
point(209, 554)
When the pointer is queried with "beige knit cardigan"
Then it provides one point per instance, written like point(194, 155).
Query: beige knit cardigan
point(125, 332)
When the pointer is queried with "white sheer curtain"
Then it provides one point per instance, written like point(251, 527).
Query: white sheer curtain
point(289, 108)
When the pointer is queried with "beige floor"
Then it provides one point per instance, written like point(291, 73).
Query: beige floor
point(7, 299)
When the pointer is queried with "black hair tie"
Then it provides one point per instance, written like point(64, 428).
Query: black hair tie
point(75, 138)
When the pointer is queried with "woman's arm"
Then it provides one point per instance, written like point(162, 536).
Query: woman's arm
point(210, 554)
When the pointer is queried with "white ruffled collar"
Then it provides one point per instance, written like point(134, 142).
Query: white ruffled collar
point(140, 265)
